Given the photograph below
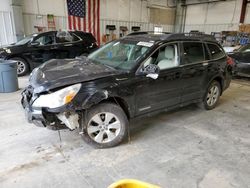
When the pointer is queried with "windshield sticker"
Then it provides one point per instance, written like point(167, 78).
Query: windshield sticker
point(147, 44)
point(109, 55)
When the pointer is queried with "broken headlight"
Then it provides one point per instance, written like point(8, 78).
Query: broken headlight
point(58, 98)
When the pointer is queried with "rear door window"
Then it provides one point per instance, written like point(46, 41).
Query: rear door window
point(215, 51)
point(64, 37)
point(90, 37)
point(192, 52)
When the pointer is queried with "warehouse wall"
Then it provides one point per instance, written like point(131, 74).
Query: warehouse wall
point(43, 7)
point(112, 12)
point(4, 5)
point(125, 10)
point(207, 17)
point(215, 16)
point(7, 35)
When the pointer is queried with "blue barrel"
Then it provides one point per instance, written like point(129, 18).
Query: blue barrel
point(8, 76)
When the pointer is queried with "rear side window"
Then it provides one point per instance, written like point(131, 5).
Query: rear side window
point(215, 51)
point(90, 37)
point(87, 37)
point(192, 52)
point(75, 37)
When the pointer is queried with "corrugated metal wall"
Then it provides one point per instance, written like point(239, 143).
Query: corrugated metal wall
point(31, 20)
point(6, 29)
point(208, 28)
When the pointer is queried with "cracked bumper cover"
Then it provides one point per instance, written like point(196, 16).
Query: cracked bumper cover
point(34, 116)
point(66, 114)
point(37, 117)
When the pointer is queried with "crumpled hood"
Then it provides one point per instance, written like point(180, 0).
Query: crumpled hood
point(62, 72)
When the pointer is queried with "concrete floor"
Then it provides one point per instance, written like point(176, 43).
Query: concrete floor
point(188, 147)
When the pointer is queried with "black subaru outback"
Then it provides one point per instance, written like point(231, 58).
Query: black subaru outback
point(132, 77)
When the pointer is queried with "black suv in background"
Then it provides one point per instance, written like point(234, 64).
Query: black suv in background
point(135, 76)
point(35, 49)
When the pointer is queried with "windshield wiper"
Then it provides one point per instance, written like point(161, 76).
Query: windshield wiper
point(108, 66)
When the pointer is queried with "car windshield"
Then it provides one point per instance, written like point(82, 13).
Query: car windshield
point(24, 40)
point(120, 54)
point(245, 48)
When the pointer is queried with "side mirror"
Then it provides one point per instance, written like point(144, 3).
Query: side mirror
point(151, 71)
point(34, 43)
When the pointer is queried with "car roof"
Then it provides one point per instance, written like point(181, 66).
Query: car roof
point(162, 37)
point(48, 32)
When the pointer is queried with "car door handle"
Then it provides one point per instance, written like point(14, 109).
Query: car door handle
point(205, 63)
point(54, 47)
point(68, 45)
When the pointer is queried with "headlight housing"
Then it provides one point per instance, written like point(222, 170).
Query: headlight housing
point(7, 50)
point(58, 98)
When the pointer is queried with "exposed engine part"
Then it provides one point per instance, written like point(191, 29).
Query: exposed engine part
point(69, 119)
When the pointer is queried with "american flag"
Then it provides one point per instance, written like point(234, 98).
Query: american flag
point(84, 15)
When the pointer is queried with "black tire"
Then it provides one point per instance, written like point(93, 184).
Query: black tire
point(102, 111)
point(22, 66)
point(84, 54)
point(213, 96)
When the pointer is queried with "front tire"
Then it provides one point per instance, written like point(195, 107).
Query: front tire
point(22, 66)
point(105, 125)
point(212, 96)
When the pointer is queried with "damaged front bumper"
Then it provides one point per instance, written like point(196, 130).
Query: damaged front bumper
point(55, 119)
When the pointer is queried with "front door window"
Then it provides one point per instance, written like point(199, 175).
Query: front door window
point(166, 57)
point(45, 40)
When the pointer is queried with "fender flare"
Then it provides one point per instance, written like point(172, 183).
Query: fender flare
point(94, 98)
point(221, 81)
point(24, 58)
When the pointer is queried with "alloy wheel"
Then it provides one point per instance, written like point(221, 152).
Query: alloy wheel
point(104, 127)
point(213, 95)
point(20, 67)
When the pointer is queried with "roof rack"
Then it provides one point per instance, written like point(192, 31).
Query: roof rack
point(177, 36)
point(146, 32)
point(194, 35)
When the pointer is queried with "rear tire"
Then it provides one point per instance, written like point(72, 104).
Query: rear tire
point(212, 96)
point(22, 66)
point(105, 125)
point(84, 54)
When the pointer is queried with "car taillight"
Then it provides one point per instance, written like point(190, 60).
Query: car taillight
point(230, 61)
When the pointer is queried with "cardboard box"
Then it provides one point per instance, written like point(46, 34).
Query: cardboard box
point(245, 28)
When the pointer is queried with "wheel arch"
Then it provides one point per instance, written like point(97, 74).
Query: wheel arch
point(120, 102)
point(220, 80)
point(25, 59)
point(102, 96)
